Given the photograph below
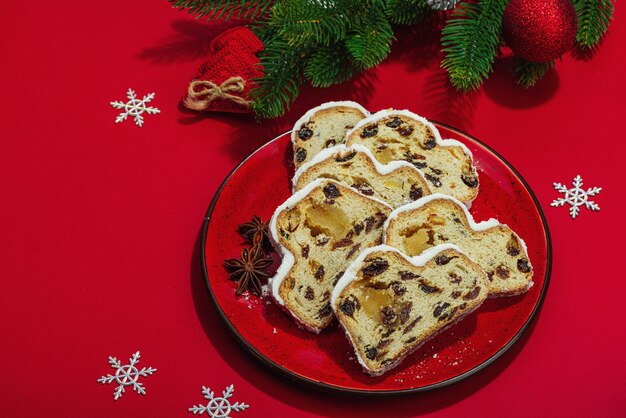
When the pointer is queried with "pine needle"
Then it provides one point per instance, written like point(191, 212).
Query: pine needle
point(226, 9)
point(529, 73)
point(327, 66)
point(280, 84)
point(369, 42)
point(301, 21)
point(407, 12)
point(471, 39)
point(594, 18)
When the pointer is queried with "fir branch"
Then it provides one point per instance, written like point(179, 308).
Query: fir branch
point(370, 41)
point(471, 39)
point(280, 84)
point(263, 30)
point(407, 12)
point(217, 9)
point(529, 73)
point(594, 18)
point(300, 22)
point(327, 66)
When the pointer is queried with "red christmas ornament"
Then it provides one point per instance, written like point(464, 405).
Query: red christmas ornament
point(540, 30)
point(223, 82)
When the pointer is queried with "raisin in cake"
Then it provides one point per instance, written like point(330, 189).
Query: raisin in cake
point(396, 183)
point(322, 127)
point(318, 231)
point(402, 135)
point(438, 218)
point(390, 304)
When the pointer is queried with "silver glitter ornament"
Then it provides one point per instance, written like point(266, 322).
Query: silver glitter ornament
point(442, 4)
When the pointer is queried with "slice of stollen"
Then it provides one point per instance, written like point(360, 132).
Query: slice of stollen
point(402, 135)
point(323, 127)
point(390, 304)
point(395, 183)
point(439, 218)
point(318, 231)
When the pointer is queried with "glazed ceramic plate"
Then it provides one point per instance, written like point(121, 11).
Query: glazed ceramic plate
point(261, 183)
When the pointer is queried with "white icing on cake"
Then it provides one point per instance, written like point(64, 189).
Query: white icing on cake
point(305, 118)
point(481, 226)
point(478, 227)
point(288, 258)
point(419, 261)
point(351, 272)
point(383, 169)
point(389, 112)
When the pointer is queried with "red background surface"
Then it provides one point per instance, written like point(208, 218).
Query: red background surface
point(99, 222)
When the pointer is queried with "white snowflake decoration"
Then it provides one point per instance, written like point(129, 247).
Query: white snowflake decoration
point(135, 107)
point(126, 375)
point(218, 407)
point(576, 197)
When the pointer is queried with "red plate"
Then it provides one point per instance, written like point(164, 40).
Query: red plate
point(262, 182)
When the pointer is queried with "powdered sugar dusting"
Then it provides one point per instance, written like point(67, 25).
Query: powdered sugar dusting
point(382, 114)
point(481, 226)
point(288, 258)
point(307, 116)
point(350, 274)
point(332, 152)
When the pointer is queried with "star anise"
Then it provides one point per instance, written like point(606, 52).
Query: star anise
point(248, 270)
point(256, 226)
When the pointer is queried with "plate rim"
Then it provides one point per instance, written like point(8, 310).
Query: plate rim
point(327, 387)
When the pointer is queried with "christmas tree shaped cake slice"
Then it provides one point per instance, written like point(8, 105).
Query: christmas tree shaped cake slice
point(396, 183)
point(322, 127)
point(439, 218)
point(390, 304)
point(318, 231)
point(402, 135)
